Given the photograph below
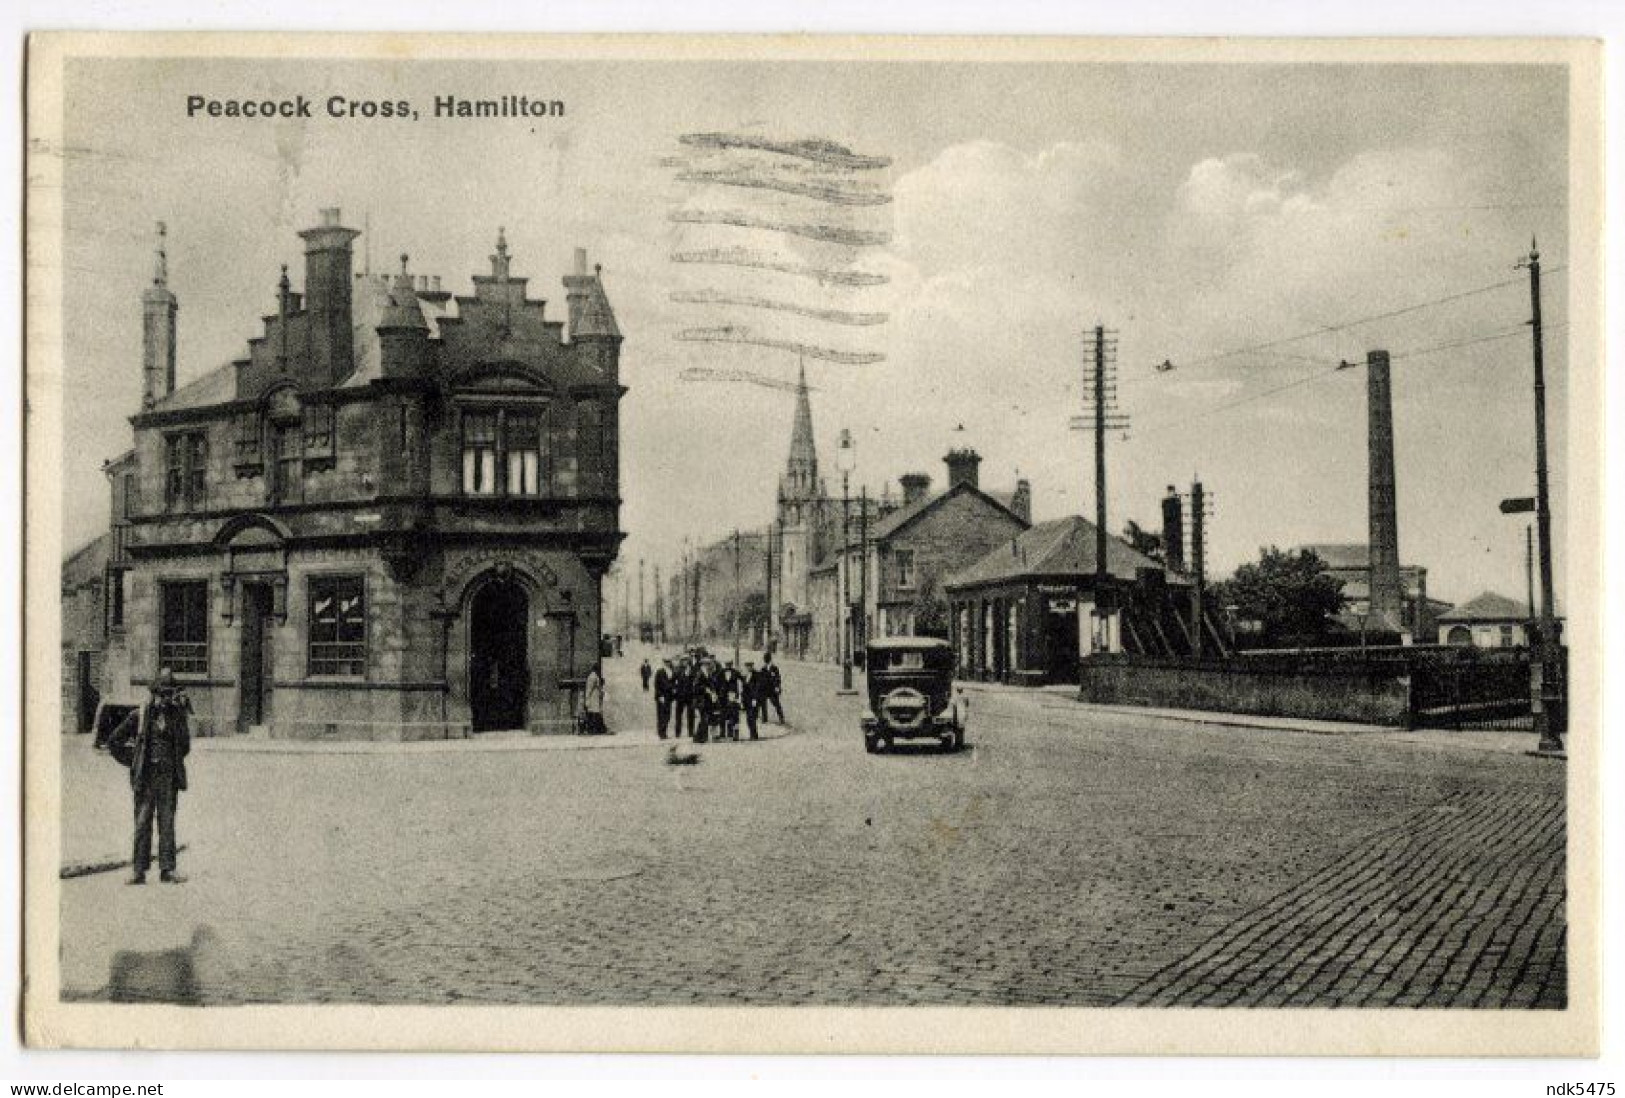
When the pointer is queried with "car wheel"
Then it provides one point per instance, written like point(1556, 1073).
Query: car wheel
point(871, 745)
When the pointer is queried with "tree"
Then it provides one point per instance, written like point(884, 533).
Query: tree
point(1143, 541)
point(1289, 592)
point(930, 609)
point(746, 613)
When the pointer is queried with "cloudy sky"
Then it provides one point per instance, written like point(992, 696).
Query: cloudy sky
point(1196, 210)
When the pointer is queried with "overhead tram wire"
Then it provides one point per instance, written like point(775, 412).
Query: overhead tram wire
point(1157, 428)
point(1342, 366)
point(1359, 321)
point(1510, 333)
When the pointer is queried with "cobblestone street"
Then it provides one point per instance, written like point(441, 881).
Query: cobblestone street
point(1068, 856)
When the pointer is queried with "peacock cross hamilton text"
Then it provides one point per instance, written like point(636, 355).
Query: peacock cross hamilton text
point(344, 106)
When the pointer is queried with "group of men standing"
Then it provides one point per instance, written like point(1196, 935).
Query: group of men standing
point(705, 698)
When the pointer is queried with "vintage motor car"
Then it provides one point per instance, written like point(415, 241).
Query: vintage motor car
point(911, 694)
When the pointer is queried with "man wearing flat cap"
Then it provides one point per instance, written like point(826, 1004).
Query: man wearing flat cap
point(153, 742)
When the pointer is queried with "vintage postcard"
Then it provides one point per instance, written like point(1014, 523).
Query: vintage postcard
point(797, 544)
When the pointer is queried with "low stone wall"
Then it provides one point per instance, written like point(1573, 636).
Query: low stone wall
point(1378, 695)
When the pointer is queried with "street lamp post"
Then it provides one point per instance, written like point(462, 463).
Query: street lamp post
point(845, 459)
point(1548, 722)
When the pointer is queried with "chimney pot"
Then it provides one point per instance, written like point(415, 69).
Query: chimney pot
point(581, 261)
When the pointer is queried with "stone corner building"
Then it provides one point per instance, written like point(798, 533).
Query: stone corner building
point(390, 519)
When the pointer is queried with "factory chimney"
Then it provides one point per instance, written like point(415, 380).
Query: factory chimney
point(1387, 595)
point(1173, 530)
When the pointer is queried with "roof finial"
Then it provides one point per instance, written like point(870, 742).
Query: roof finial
point(283, 286)
point(403, 265)
point(499, 261)
point(160, 264)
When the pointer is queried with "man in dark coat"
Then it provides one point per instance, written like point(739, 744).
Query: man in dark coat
point(704, 702)
point(755, 704)
point(663, 698)
point(682, 699)
point(153, 742)
point(772, 688)
point(644, 673)
point(730, 687)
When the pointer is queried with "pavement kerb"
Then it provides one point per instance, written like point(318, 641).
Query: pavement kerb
point(1069, 694)
point(551, 742)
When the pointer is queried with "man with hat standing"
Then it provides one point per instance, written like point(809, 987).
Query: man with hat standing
point(754, 690)
point(153, 742)
point(664, 688)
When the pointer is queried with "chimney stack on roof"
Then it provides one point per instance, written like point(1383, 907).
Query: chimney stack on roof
point(1022, 501)
point(328, 277)
point(916, 486)
point(963, 468)
point(158, 307)
point(590, 314)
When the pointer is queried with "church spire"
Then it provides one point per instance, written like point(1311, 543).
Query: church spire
point(801, 471)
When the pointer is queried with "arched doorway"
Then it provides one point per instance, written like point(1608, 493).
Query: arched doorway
point(498, 667)
point(1459, 635)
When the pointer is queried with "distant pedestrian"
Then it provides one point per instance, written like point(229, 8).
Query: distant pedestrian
point(773, 688)
point(153, 741)
point(644, 672)
point(592, 705)
point(664, 687)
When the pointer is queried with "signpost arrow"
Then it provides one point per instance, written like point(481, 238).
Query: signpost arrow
point(1518, 505)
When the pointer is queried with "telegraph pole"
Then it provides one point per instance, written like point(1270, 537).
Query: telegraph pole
point(660, 610)
point(863, 568)
point(1529, 568)
point(643, 617)
point(1198, 564)
point(736, 596)
point(846, 596)
point(767, 583)
point(1101, 571)
point(1100, 415)
point(1548, 721)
